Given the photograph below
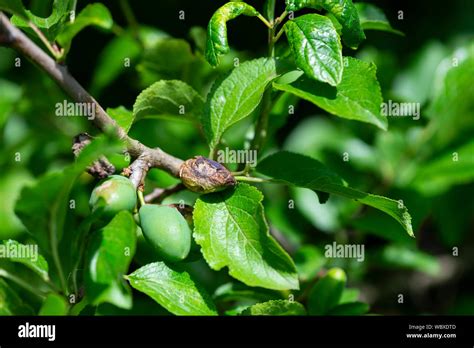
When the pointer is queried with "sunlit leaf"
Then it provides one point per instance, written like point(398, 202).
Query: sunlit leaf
point(302, 171)
point(231, 229)
point(316, 47)
point(172, 289)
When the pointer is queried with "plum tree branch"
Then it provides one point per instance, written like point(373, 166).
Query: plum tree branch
point(12, 37)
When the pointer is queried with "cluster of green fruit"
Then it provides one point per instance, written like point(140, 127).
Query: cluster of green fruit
point(163, 227)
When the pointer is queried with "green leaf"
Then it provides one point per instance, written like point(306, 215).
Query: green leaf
point(276, 308)
point(235, 97)
point(10, 302)
point(11, 184)
point(401, 257)
point(92, 15)
point(231, 292)
point(343, 10)
point(118, 55)
point(36, 263)
point(167, 59)
point(217, 29)
point(349, 295)
point(42, 207)
point(309, 260)
point(350, 308)
point(51, 25)
point(358, 96)
point(454, 167)
point(174, 290)
point(11, 94)
point(108, 257)
point(199, 37)
point(14, 7)
point(452, 109)
point(316, 47)
point(231, 229)
point(168, 99)
point(302, 171)
point(327, 292)
point(122, 116)
point(54, 304)
point(373, 18)
point(415, 83)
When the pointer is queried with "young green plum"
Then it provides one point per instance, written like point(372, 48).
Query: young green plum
point(114, 194)
point(166, 230)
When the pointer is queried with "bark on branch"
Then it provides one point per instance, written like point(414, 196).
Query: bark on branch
point(147, 157)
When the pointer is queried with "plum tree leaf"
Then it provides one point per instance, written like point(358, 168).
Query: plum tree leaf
point(302, 171)
point(54, 304)
point(217, 43)
point(108, 257)
point(236, 291)
point(373, 18)
point(92, 15)
point(343, 10)
point(236, 96)
point(403, 257)
point(110, 64)
point(10, 302)
point(350, 308)
point(309, 260)
point(11, 93)
point(327, 292)
point(14, 7)
point(440, 174)
point(316, 47)
point(165, 59)
point(174, 290)
point(36, 264)
point(122, 116)
point(51, 25)
point(276, 308)
point(231, 229)
point(168, 99)
point(358, 96)
point(42, 207)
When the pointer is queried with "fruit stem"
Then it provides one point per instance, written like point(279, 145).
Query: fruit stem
point(141, 200)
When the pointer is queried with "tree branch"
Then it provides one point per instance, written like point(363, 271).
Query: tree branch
point(158, 194)
point(148, 157)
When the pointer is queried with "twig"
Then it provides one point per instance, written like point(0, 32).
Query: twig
point(150, 158)
point(158, 194)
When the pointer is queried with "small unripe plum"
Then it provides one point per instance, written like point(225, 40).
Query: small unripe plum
point(166, 230)
point(114, 194)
